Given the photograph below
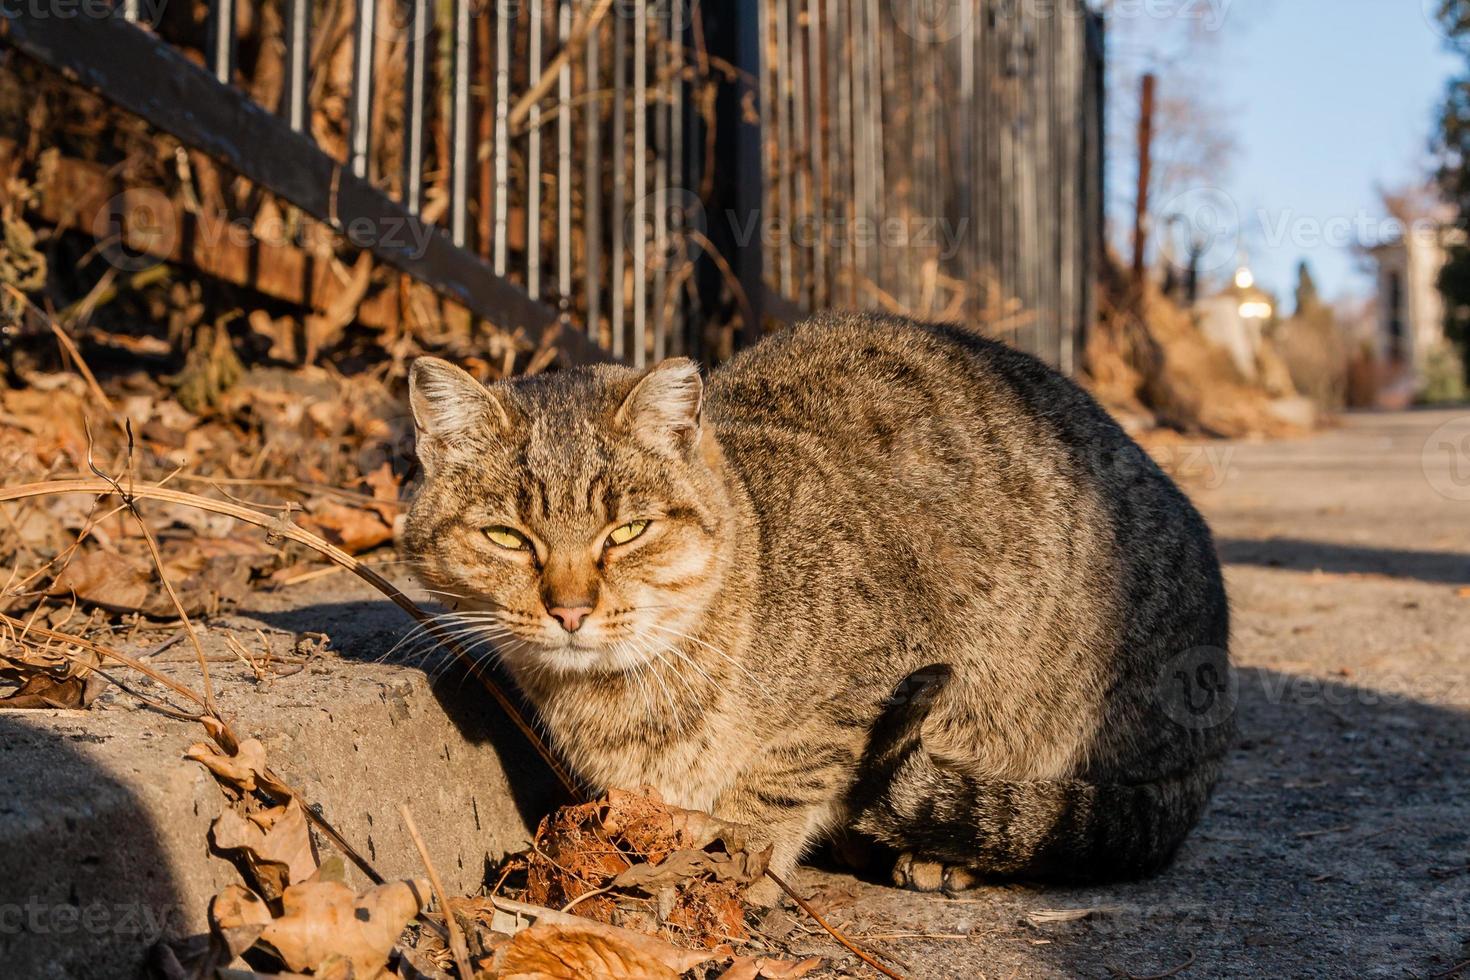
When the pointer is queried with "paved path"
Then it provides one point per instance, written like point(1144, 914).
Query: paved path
point(1338, 844)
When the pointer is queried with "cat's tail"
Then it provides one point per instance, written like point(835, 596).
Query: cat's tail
point(1064, 830)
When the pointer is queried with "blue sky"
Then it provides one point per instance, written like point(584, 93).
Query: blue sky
point(1327, 100)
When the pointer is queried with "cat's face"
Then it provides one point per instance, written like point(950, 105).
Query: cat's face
point(574, 518)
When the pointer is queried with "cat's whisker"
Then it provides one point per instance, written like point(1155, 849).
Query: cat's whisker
point(676, 675)
point(687, 660)
point(623, 649)
point(712, 649)
point(442, 636)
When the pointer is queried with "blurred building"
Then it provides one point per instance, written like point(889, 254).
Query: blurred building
point(1235, 319)
point(1409, 338)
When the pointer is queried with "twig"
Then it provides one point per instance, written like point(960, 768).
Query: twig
point(810, 910)
point(1452, 971)
point(299, 486)
point(732, 281)
point(456, 937)
point(1304, 834)
point(103, 651)
point(284, 528)
point(69, 346)
point(157, 557)
point(549, 74)
point(158, 648)
point(586, 895)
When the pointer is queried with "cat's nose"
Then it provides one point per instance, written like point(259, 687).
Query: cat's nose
point(570, 617)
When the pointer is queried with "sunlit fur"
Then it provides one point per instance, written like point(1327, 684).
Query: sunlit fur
point(846, 503)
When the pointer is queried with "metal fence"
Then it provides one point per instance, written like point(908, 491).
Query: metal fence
point(655, 176)
point(937, 158)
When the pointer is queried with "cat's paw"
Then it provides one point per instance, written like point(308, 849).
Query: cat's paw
point(919, 875)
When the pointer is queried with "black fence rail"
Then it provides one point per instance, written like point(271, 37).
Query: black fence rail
point(649, 177)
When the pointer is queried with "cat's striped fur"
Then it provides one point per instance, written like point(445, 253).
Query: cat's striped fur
point(897, 578)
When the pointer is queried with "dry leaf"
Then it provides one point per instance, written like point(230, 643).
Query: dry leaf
point(324, 923)
point(245, 770)
point(758, 967)
point(240, 770)
point(351, 529)
point(48, 681)
point(116, 583)
point(276, 845)
point(238, 917)
point(576, 952)
point(628, 847)
point(43, 690)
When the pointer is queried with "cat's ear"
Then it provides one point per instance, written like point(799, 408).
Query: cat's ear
point(663, 409)
point(450, 409)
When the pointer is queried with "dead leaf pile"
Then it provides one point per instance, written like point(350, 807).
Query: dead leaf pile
point(35, 676)
point(292, 911)
point(633, 860)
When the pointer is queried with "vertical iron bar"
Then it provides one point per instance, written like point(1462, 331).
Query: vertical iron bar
point(800, 153)
point(816, 203)
point(838, 142)
point(847, 38)
point(770, 162)
point(461, 135)
point(783, 145)
point(640, 182)
point(298, 62)
point(415, 99)
point(678, 342)
point(965, 172)
point(862, 132)
point(877, 199)
point(592, 180)
point(618, 219)
point(361, 137)
point(504, 25)
point(533, 155)
point(222, 40)
point(913, 272)
point(662, 204)
point(564, 159)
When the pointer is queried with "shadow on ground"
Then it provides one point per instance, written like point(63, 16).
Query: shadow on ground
point(1337, 844)
point(358, 634)
point(84, 892)
point(1307, 556)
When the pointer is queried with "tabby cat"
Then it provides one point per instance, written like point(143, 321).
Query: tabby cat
point(875, 576)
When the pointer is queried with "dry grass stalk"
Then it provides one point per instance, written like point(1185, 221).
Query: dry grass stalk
point(832, 930)
point(456, 935)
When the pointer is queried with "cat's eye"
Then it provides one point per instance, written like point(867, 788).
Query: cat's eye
point(624, 533)
point(508, 538)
